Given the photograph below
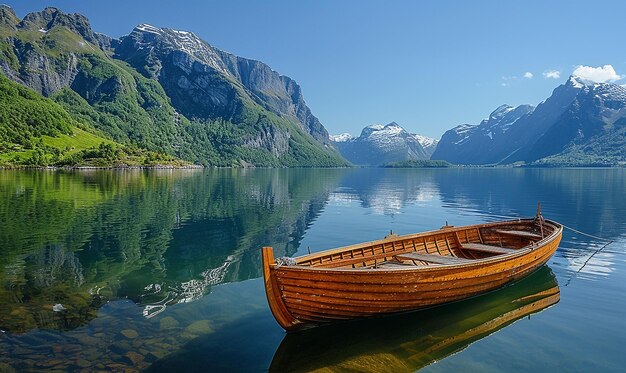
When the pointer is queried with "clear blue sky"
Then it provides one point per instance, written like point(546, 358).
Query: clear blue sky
point(428, 65)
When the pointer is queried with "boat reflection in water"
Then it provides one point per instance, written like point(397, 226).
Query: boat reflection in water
point(408, 342)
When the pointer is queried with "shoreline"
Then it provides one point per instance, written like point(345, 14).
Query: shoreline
point(201, 167)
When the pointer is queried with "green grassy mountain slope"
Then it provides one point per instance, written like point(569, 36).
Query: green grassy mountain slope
point(37, 131)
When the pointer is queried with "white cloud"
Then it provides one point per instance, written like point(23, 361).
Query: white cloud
point(600, 74)
point(528, 75)
point(507, 80)
point(552, 74)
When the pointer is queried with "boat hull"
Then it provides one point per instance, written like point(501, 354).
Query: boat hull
point(410, 341)
point(302, 296)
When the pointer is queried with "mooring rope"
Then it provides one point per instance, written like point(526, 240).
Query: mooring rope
point(608, 242)
point(587, 234)
point(594, 253)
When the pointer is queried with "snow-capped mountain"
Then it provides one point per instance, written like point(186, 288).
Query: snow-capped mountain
point(428, 143)
point(581, 123)
point(379, 144)
point(470, 141)
point(342, 137)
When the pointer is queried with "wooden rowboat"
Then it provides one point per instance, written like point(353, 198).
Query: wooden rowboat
point(404, 273)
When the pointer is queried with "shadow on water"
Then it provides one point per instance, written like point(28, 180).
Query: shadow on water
point(408, 342)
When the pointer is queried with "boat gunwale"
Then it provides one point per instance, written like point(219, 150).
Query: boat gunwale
point(410, 269)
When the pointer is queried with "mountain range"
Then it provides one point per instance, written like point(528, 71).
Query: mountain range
point(156, 91)
point(582, 123)
point(73, 96)
point(379, 144)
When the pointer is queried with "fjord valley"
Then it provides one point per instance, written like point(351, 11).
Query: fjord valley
point(172, 199)
point(155, 96)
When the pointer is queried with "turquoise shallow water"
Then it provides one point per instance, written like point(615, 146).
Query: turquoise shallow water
point(160, 270)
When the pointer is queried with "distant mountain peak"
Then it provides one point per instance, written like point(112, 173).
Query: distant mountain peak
point(342, 137)
point(380, 143)
point(145, 27)
point(500, 111)
point(148, 28)
point(579, 82)
point(184, 41)
point(50, 17)
point(8, 17)
point(7, 7)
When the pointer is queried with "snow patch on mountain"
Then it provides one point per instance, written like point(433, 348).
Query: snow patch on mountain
point(185, 41)
point(428, 143)
point(424, 140)
point(342, 137)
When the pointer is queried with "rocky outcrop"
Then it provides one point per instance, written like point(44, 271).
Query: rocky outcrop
point(39, 72)
point(8, 18)
point(50, 17)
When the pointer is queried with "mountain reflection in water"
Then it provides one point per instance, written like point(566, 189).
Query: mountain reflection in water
point(157, 237)
point(160, 269)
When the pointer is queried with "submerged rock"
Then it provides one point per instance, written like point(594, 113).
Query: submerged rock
point(199, 327)
point(168, 322)
point(6, 368)
point(133, 357)
point(83, 363)
point(129, 333)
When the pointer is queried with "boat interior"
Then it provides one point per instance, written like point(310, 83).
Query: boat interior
point(447, 246)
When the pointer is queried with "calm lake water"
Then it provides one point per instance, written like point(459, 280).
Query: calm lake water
point(160, 270)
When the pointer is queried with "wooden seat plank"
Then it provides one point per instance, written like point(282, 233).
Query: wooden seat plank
point(432, 258)
point(487, 248)
point(394, 265)
point(519, 233)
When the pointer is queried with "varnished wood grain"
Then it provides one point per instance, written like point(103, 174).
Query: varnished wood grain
point(373, 278)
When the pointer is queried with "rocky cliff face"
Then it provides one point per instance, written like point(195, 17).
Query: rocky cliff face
point(217, 82)
point(570, 127)
point(45, 47)
point(380, 144)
